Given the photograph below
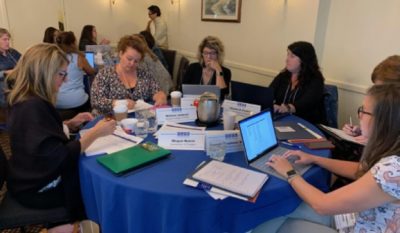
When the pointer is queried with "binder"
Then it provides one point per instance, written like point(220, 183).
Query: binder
point(132, 158)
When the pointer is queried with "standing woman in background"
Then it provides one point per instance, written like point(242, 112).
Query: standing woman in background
point(43, 169)
point(8, 60)
point(72, 98)
point(89, 37)
point(209, 69)
point(299, 87)
point(50, 35)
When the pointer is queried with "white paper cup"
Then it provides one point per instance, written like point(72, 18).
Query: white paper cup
point(121, 102)
point(129, 125)
point(229, 119)
point(176, 98)
point(120, 112)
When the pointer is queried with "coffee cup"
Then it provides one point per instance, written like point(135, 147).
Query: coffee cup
point(121, 102)
point(129, 125)
point(176, 98)
point(120, 112)
point(229, 119)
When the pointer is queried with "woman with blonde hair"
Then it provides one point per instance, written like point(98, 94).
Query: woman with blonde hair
point(209, 70)
point(43, 171)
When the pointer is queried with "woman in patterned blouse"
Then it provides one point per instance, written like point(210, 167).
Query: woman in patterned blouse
point(125, 80)
point(375, 192)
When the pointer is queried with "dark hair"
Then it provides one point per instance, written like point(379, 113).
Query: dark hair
point(149, 38)
point(67, 42)
point(309, 68)
point(134, 42)
point(384, 139)
point(87, 33)
point(154, 9)
point(387, 71)
point(49, 35)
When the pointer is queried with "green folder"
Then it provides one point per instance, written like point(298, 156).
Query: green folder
point(132, 158)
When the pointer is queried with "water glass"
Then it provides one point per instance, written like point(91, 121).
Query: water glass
point(142, 128)
point(216, 150)
point(150, 116)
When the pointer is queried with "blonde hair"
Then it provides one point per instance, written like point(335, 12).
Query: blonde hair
point(214, 43)
point(35, 72)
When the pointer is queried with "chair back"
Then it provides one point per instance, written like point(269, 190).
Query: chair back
point(170, 58)
point(183, 65)
point(331, 99)
point(3, 167)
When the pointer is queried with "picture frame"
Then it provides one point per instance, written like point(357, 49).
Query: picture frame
point(221, 10)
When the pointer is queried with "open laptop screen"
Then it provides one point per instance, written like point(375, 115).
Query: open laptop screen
point(258, 134)
point(90, 58)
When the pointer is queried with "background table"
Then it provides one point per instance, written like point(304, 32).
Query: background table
point(153, 199)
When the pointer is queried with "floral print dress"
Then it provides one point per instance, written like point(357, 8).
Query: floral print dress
point(107, 87)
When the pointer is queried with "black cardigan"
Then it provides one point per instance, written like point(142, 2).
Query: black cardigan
point(308, 101)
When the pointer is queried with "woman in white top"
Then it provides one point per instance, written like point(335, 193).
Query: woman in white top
point(72, 98)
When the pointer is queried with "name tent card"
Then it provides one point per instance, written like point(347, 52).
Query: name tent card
point(233, 141)
point(240, 108)
point(177, 115)
point(181, 140)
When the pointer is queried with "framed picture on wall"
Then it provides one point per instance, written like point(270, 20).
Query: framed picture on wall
point(221, 10)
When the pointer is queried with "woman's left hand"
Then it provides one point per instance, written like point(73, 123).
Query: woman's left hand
point(75, 122)
point(160, 98)
point(280, 164)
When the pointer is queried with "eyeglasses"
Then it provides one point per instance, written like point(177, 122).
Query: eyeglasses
point(210, 54)
point(151, 13)
point(63, 74)
point(361, 111)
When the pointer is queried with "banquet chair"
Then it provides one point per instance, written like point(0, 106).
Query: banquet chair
point(15, 215)
point(183, 65)
point(331, 100)
point(170, 58)
point(301, 226)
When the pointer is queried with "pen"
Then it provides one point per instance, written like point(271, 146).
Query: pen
point(128, 139)
point(351, 121)
point(291, 144)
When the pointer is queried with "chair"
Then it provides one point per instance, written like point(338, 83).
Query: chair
point(331, 100)
point(170, 58)
point(15, 215)
point(183, 65)
point(300, 226)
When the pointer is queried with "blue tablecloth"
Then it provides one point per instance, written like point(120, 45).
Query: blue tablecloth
point(153, 199)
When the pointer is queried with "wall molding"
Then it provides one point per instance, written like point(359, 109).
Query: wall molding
point(269, 73)
point(3, 15)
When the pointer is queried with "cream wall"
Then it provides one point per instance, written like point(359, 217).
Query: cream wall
point(350, 37)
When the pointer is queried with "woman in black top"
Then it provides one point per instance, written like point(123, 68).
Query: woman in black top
point(209, 69)
point(299, 88)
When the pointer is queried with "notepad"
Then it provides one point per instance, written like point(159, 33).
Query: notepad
point(132, 158)
point(232, 178)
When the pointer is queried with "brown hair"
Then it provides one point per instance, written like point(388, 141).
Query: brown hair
point(134, 42)
point(384, 140)
point(67, 42)
point(4, 31)
point(388, 71)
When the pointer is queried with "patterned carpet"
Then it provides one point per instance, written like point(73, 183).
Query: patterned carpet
point(5, 145)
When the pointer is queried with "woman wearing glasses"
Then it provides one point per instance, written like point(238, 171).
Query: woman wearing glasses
point(209, 70)
point(374, 193)
point(43, 169)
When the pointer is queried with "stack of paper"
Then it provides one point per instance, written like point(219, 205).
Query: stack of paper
point(229, 180)
point(340, 134)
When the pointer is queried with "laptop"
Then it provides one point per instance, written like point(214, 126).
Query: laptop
point(260, 143)
point(196, 89)
point(253, 94)
point(90, 58)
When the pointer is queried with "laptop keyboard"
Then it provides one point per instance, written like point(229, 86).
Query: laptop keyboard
point(260, 163)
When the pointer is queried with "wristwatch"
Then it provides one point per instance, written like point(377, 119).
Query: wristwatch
point(290, 174)
point(221, 73)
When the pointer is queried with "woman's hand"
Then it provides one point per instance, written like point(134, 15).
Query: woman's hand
point(213, 64)
point(131, 104)
point(299, 156)
point(160, 98)
point(280, 108)
point(75, 122)
point(104, 127)
point(352, 130)
point(280, 164)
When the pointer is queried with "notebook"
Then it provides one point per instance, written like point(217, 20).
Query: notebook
point(90, 58)
point(260, 143)
point(132, 158)
point(196, 89)
point(253, 94)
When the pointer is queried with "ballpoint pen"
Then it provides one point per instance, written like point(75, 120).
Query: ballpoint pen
point(291, 144)
point(351, 122)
